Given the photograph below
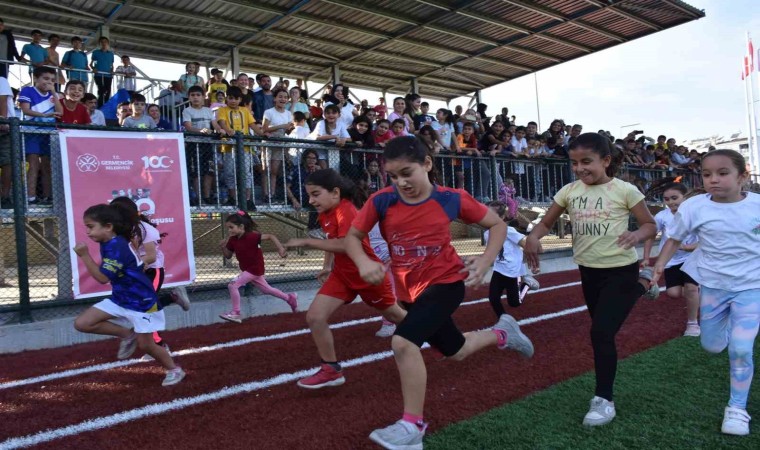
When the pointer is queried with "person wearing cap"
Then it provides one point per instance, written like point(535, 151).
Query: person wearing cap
point(216, 84)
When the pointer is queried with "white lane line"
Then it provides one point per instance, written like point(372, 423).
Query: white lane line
point(221, 346)
point(154, 409)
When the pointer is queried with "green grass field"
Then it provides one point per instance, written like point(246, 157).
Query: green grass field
point(669, 397)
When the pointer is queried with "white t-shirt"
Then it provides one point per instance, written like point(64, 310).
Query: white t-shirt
point(510, 260)
point(518, 146)
point(151, 234)
point(664, 220)
point(278, 118)
point(199, 118)
point(319, 130)
point(97, 118)
point(5, 89)
point(728, 256)
point(378, 244)
point(300, 132)
point(445, 131)
point(346, 114)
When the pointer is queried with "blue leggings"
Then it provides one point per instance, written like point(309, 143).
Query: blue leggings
point(731, 319)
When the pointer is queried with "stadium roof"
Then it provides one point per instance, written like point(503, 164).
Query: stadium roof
point(451, 48)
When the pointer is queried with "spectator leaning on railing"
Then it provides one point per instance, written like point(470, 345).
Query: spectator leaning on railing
point(76, 58)
point(8, 50)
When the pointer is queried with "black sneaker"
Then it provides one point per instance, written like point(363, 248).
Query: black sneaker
point(46, 201)
point(33, 201)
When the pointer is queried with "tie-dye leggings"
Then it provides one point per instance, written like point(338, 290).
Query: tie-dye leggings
point(730, 319)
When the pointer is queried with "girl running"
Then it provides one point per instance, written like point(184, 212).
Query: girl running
point(599, 206)
point(678, 283)
point(244, 241)
point(509, 271)
point(414, 215)
point(726, 263)
point(332, 196)
point(132, 313)
point(147, 242)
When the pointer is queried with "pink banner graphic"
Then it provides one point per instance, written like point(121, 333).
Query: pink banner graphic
point(147, 167)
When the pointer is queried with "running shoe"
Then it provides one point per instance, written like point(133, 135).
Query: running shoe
point(127, 347)
point(147, 357)
point(326, 376)
point(232, 316)
point(173, 376)
point(692, 329)
point(735, 421)
point(400, 435)
point(516, 340)
point(653, 292)
point(531, 282)
point(292, 301)
point(601, 412)
point(386, 330)
point(179, 295)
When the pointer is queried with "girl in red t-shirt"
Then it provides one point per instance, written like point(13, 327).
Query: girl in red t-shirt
point(414, 215)
point(244, 242)
point(332, 197)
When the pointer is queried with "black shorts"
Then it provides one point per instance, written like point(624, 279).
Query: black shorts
point(674, 276)
point(429, 318)
point(201, 159)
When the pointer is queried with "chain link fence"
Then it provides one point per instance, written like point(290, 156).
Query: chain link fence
point(262, 176)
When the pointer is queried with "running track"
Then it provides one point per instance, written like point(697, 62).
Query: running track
point(240, 391)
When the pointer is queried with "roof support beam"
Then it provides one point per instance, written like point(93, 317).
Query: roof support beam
point(614, 8)
point(190, 16)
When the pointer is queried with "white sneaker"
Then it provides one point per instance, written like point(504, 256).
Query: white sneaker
point(400, 435)
point(386, 330)
point(735, 421)
point(531, 282)
point(173, 377)
point(127, 347)
point(692, 329)
point(179, 295)
point(601, 412)
point(147, 357)
point(516, 340)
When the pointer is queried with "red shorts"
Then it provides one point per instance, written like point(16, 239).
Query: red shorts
point(379, 297)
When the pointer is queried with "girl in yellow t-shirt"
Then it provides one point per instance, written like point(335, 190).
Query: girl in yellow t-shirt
point(599, 206)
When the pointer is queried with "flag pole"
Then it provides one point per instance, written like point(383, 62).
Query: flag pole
point(754, 150)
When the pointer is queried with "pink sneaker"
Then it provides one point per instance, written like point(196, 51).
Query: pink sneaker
point(232, 316)
point(292, 301)
point(326, 376)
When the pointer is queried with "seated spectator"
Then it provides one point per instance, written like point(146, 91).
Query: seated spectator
point(155, 113)
point(96, 116)
point(76, 58)
point(126, 75)
point(382, 133)
point(123, 111)
point(138, 119)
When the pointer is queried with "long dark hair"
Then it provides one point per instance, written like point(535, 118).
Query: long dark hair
point(127, 203)
point(329, 180)
point(242, 218)
point(121, 218)
point(413, 149)
point(602, 146)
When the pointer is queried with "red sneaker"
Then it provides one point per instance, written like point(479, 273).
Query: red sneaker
point(326, 376)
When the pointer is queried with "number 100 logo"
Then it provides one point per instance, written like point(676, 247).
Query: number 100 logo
point(156, 162)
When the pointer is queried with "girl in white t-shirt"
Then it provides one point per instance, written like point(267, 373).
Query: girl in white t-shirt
point(726, 264)
point(679, 283)
point(330, 129)
point(278, 122)
point(509, 270)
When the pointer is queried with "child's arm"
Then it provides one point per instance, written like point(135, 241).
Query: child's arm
point(225, 128)
point(327, 265)
point(647, 251)
point(92, 267)
point(647, 227)
point(280, 249)
point(522, 244)
point(150, 253)
point(532, 242)
point(478, 266)
point(371, 271)
point(225, 251)
point(689, 247)
point(327, 245)
point(668, 250)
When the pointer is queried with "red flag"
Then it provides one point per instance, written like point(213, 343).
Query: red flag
point(751, 54)
point(746, 67)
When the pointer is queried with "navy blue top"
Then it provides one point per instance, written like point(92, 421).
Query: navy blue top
point(131, 288)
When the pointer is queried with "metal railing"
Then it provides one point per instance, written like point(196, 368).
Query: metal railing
point(262, 176)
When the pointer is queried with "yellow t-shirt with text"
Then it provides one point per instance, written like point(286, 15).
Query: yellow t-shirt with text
point(239, 119)
point(599, 215)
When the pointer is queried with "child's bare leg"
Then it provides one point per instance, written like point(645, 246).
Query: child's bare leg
point(317, 318)
point(47, 180)
point(31, 175)
point(413, 374)
point(475, 341)
point(691, 294)
point(146, 344)
point(394, 314)
point(95, 321)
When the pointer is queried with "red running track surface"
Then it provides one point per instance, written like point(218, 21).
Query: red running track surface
point(282, 415)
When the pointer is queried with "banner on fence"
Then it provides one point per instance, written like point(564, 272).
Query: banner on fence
point(147, 167)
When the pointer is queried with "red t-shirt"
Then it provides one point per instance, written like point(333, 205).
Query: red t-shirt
point(418, 235)
point(381, 111)
point(315, 111)
point(336, 223)
point(247, 249)
point(384, 138)
point(79, 115)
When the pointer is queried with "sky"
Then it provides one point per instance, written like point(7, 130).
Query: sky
point(683, 82)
